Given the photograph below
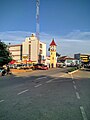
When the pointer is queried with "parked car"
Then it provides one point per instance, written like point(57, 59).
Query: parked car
point(60, 65)
point(87, 66)
point(30, 66)
point(2, 71)
point(40, 66)
point(12, 66)
point(19, 66)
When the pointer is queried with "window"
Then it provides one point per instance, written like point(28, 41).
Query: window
point(40, 51)
point(40, 45)
point(52, 58)
point(29, 52)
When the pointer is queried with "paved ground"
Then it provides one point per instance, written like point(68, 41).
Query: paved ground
point(50, 72)
point(15, 71)
point(45, 95)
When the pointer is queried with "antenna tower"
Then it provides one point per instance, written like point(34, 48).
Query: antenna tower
point(37, 18)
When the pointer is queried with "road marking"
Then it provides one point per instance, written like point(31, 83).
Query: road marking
point(1, 101)
point(73, 82)
point(49, 81)
point(23, 92)
point(78, 96)
point(38, 85)
point(41, 78)
point(83, 113)
point(75, 87)
point(72, 72)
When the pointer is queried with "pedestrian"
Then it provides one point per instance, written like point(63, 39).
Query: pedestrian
point(8, 69)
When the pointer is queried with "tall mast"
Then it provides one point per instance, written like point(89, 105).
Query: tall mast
point(37, 18)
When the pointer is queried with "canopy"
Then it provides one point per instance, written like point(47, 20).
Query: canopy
point(12, 62)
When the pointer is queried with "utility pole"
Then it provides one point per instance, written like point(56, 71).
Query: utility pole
point(37, 18)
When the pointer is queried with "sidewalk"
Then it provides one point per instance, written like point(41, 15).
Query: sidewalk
point(20, 71)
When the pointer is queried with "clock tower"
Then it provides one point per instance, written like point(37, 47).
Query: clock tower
point(53, 54)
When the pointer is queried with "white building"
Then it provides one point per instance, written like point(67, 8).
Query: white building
point(16, 51)
point(71, 62)
point(30, 49)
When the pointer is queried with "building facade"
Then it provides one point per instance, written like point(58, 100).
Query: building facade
point(67, 61)
point(53, 60)
point(16, 51)
point(30, 50)
point(84, 58)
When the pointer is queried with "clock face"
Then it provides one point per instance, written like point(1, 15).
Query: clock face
point(52, 47)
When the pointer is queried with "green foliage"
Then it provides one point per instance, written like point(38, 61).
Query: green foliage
point(49, 49)
point(57, 54)
point(72, 69)
point(5, 57)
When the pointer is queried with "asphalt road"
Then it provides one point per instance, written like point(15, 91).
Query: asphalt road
point(45, 95)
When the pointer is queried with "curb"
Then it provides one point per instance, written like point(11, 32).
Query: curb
point(73, 71)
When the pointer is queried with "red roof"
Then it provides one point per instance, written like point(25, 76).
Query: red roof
point(63, 58)
point(53, 43)
point(66, 58)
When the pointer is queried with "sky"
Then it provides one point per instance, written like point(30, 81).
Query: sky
point(67, 21)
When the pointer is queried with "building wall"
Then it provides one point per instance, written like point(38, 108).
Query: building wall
point(42, 49)
point(53, 56)
point(82, 57)
point(34, 49)
point(25, 51)
point(70, 62)
point(47, 62)
point(16, 51)
point(53, 59)
point(29, 50)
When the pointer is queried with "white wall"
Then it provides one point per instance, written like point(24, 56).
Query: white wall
point(25, 47)
point(34, 50)
point(15, 51)
point(43, 49)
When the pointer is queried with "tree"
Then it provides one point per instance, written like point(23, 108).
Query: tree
point(57, 54)
point(5, 57)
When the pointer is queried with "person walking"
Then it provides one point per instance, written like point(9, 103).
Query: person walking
point(8, 69)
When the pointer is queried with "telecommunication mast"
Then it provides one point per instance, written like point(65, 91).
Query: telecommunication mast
point(37, 18)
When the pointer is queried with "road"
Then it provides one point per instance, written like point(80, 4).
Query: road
point(45, 95)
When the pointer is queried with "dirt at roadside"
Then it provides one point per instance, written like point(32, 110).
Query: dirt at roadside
point(19, 71)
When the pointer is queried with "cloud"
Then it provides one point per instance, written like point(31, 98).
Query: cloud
point(78, 35)
point(73, 42)
point(14, 37)
point(72, 47)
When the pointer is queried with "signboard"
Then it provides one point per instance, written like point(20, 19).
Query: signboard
point(84, 58)
point(25, 57)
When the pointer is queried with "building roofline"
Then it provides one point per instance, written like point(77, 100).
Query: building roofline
point(53, 43)
point(14, 45)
